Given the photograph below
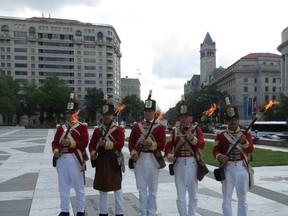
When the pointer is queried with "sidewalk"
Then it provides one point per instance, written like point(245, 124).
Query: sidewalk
point(29, 187)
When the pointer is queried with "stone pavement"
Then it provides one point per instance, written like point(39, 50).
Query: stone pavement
point(29, 187)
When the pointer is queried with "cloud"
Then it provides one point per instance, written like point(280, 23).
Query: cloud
point(180, 65)
point(44, 6)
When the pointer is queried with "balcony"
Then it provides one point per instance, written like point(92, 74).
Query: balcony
point(78, 39)
point(5, 36)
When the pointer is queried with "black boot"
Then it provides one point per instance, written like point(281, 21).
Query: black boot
point(103, 214)
point(80, 214)
point(119, 214)
point(64, 214)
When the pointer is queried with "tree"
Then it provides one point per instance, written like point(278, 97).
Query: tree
point(201, 101)
point(278, 112)
point(29, 98)
point(134, 109)
point(93, 102)
point(9, 100)
point(53, 97)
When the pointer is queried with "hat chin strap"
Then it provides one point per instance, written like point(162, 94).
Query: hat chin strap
point(185, 128)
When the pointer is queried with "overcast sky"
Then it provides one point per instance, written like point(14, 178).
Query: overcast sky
point(160, 39)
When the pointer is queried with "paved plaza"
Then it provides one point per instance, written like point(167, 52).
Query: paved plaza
point(29, 186)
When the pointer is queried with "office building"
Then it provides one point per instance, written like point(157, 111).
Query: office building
point(283, 49)
point(84, 55)
point(251, 81)
point(130, 86)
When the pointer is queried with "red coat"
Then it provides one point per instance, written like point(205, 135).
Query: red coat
point(175, 142)
point(108, 176)
point(79, 134)
point(222, 144)
point(158, 133)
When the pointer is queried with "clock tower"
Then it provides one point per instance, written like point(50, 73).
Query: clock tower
point(207, 60)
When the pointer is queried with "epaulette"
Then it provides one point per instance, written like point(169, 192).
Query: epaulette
point(58, 125)
point(84, 124)
point(96, 126)
point(220, 132)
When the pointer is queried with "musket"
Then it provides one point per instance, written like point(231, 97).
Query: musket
point(180, 147)
point(54, 161)
point(93, 164)
point(203, 117)
point(266, 107)
point(131, 160)
point(219, 173)
point(238, 140)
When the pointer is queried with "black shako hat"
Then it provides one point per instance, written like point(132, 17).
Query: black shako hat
point(185, 108)
point(71, 105)
point(150, 104)
point(231, 111)
point(107, 108)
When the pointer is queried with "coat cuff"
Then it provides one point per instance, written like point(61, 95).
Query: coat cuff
point(56, 151)
point(217, 156)
point(153, 146)
point(133, 152)
point(73, 144)
point(92, 152)
point(246, 144)
point(194, 140)
point(109, 145)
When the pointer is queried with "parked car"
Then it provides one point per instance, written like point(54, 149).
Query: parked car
point(271, 136)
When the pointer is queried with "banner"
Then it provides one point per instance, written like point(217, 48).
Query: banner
point(245, 107)
point(250, 106)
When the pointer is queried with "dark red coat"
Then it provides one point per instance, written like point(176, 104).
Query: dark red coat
point(158, 132)
point(79, 132)
point(175, 142)
point(108, 176)
point(221, 144)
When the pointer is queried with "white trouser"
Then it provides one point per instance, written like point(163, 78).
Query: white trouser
point(70, 174)
point(236, 175)
point(146, 174)
point(119, 206)
point(186, 180)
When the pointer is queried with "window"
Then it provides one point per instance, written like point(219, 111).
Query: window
point(274, 89)
point(19, 34)
point(78, 33)
point(266, 88)
point(5, 29)
point(91, 82)
point(89, 38)
point(20, 57)
point(100, 37)
point(245, 89)
point(20, 49)
point(274, 80)
point(266, 80)
point(20, 65)
point(21, 73)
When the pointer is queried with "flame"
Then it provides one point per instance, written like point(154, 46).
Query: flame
point(209, 112)
point(74, 116)
point(119, 109)
point(269, 105)
point(159, 115)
